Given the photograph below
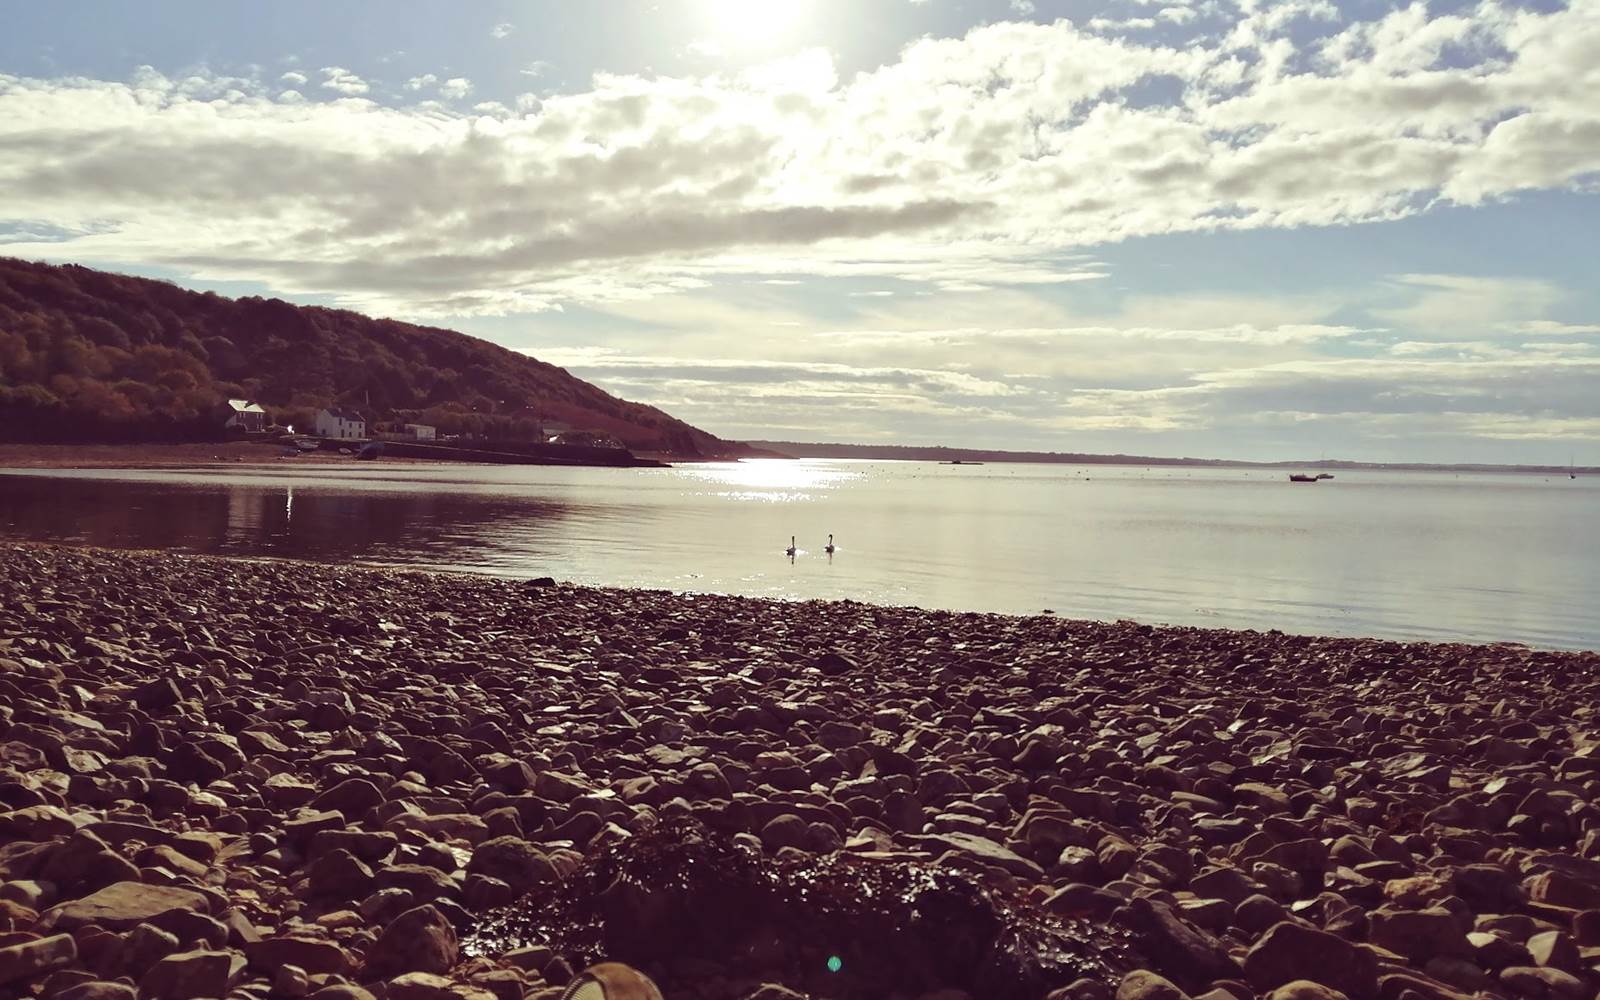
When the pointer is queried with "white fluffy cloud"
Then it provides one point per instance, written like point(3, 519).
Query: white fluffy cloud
point(983, 155)
point(342, 80)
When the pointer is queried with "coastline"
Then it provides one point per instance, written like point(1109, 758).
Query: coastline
point(306, 756)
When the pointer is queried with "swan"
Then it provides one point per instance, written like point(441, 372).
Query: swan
point(829, 548)
point(790, 550)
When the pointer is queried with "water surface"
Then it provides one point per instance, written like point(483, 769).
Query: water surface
point(1401, 555)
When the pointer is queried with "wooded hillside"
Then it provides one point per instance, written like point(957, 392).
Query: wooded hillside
point(86, 355)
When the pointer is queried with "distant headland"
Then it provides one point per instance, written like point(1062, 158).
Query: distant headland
point(915, 453)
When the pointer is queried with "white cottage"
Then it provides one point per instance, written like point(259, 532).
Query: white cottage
point(243, 415)
point(341, 424)
point(422, 432)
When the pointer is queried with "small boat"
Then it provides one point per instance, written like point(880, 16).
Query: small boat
point(370, 451)
point(1325, 475)
point(1298, 477)
point(957, 461)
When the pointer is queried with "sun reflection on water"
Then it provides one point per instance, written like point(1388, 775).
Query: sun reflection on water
point(767, 480)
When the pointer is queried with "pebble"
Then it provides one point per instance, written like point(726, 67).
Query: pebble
point(249, 779)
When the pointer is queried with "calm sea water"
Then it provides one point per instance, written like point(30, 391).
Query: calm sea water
point(1401, 555)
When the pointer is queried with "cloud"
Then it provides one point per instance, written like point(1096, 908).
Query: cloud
point(978, 162)
point(344, 81)
point(295, 78)
point(502, 30)
point(1023, 7)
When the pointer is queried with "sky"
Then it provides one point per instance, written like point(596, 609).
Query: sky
point(1256, 229)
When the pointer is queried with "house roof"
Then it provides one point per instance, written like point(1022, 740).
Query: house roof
point(341, 413)
point(244, 406)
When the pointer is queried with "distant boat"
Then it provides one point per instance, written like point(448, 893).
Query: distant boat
point(1325, 475)
point(957, 461)
point(1298, 477)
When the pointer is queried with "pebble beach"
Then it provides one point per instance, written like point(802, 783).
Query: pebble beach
point(258, 779)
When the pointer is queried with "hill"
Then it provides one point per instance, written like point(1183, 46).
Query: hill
point(87, 355)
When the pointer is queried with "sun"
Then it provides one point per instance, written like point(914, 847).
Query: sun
point(753, 22)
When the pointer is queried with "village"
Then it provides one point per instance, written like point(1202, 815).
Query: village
point(345, 430)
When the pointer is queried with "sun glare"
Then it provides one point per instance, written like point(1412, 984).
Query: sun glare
point(754, 22)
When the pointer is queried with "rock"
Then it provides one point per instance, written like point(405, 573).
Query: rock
point(419, 940)
point(341, 991)
point(1555, 950)
point(351, 797)
point(123, 905)
point(313, 955)
point(988, 853)
point(97, 991)
point(1291, 951)
point(339, 875)
point(192, 975)
point(1419, 934)
point(1193, 957)
point(1305, 989)
point(1146, 985)
point(1536, 982)
point(426, 986)
point(514, 861)
point(28, 959)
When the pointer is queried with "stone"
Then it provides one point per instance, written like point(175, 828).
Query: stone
point(1305, 989)
point(421, 939)
point(1191, 956)
point(1419, 934)
point(28, 959)
point(1290, 951)
point(1146, 985)
point(1555, 950)
point(97, 991)
point(514, 861)
point(315, 956)
point(123, 905)
point(1531, 981)
point(339, 874)
point(192, 975)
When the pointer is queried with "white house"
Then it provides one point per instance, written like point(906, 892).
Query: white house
point(243, 415)
point(344, 425)
point(422, 432)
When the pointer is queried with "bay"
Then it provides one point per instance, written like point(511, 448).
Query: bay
point(1405, 555)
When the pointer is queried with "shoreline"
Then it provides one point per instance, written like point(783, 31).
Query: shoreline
point(282, 761)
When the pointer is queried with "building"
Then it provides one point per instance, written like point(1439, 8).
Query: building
point(422, 432)
point(341, 424)
point(243, 415)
